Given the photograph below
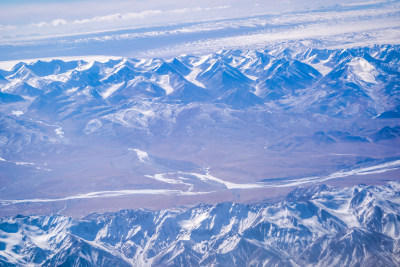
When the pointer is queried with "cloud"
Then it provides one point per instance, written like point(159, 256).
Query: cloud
point(55, 22)
point(117, 17)
point(7, 27)
point(96, 16)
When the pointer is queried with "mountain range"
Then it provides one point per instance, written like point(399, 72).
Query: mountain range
point(235, 125)
point(315, 226)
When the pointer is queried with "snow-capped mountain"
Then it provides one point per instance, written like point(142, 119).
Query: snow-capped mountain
point(341, 78)
point(349, 83)
point(222, 125)
point(314, 226)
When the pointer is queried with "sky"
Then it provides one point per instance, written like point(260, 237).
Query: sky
point(47, 28)
point(28, 19)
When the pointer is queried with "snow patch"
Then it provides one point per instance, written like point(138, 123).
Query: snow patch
point(229, 185)
point(72, 90)
point(142, 155)
point(363, 70)
point(193, 223)
point(161, 177)
point(163, 82)
point(321, 68)
point(191, 77)
point(251, 77)
point(110, 90)
point(229, 244)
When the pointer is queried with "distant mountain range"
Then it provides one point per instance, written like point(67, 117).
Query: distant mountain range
point(327, 81)
point(360, 83)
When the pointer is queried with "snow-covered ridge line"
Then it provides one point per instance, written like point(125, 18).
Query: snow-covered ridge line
point(246, 79)
point(9, 64)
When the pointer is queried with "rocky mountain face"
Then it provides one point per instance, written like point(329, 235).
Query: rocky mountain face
point(314, 226)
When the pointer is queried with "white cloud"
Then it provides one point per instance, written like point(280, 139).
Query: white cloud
point(125, 16)
point(107, 17)
point(7, 27)
point(55, 22)
point(39, 24)
point(119, 16)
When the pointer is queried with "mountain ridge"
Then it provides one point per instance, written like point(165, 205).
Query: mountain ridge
point(330, 226)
